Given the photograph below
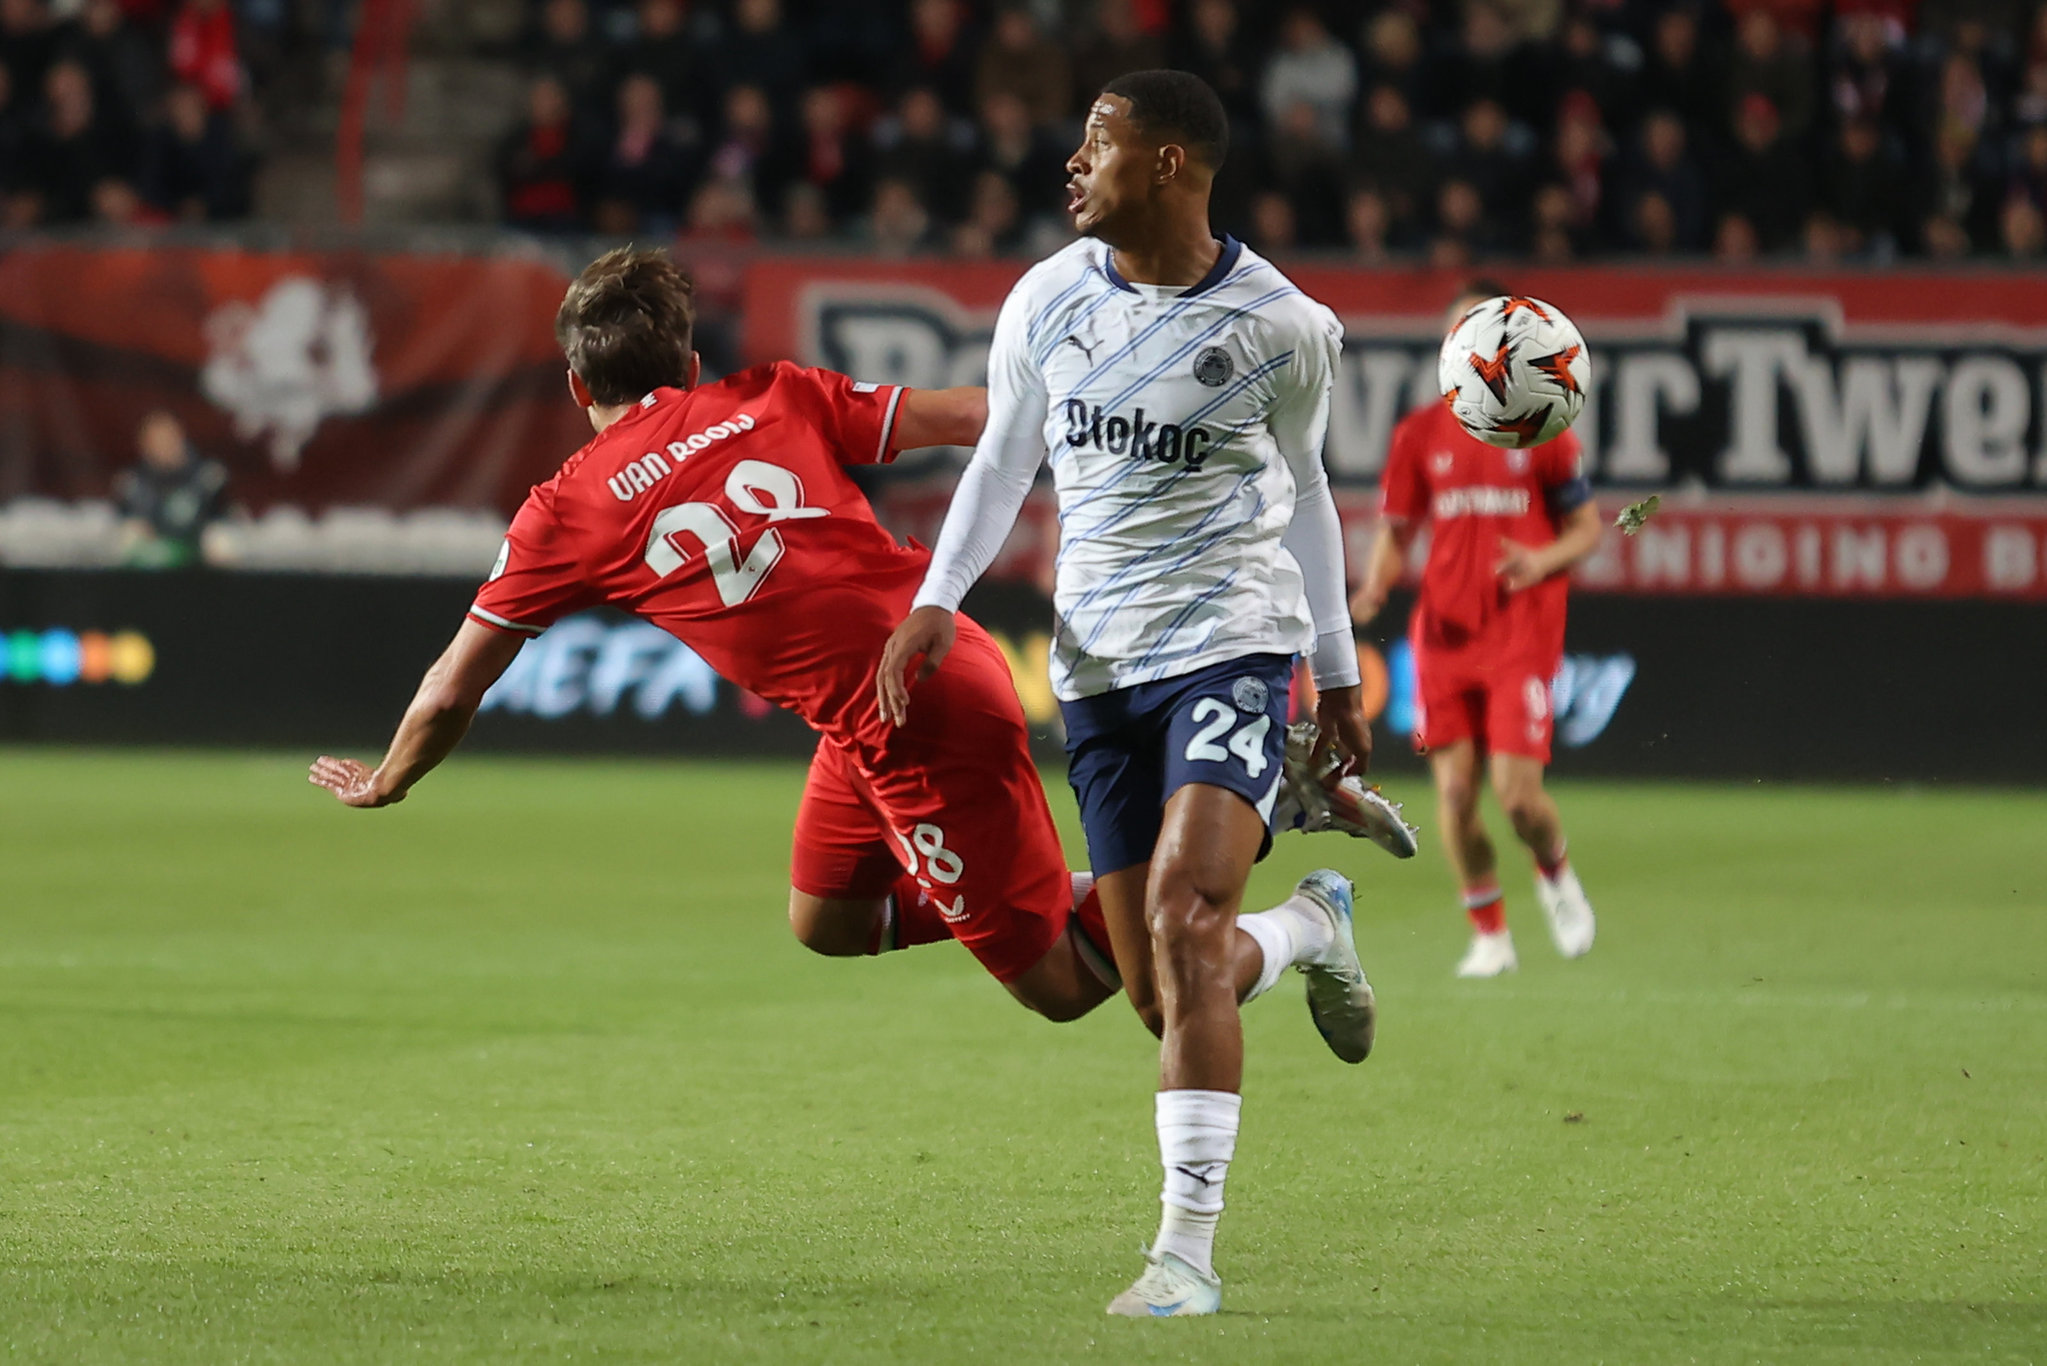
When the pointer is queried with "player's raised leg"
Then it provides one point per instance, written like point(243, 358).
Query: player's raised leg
point(1469, 850)
point(1517, 781)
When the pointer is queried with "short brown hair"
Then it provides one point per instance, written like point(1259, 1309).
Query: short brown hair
point(625, 324)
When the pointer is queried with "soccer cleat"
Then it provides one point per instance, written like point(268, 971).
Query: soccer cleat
point(1489, 956)
point(1318, 796)
point(1569, 914)
point(1340, 1000)
point(1169, 1288)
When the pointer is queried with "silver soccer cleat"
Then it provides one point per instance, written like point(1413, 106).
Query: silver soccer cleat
point(1317, 796)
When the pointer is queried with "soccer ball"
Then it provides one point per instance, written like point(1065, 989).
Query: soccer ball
point(1514, 372)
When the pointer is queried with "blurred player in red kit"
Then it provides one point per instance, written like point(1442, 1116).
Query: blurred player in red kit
point(724, 515)
point(1505, 527)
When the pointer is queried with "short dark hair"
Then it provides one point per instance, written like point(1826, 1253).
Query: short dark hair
point(1177, 106)
point(626, 324)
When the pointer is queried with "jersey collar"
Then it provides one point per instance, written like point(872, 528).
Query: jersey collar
point(1225, 262)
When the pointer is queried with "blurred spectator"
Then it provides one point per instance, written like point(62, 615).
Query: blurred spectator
point(169, 498)
point(27, 42)
point(1213, 47)
point(1493, 156)
point(1769, 63)
point(1825, 242)
point(926, 146)
point(898, 224)
point(2030, 105)
point(1488, 63)
point(72, 153)
point(1679, 75)
point(762, 52)
point(2029, 168)
point(1116, 44)
point(1954, 194)
point(940, 53)
point(750, 151)
point(536, 162)
point(203, 51)
point(994, 222)
point(1307, 168)
point(1530, 21)
point(1735, 241)
point(1026, 157)
point(1862, 187)
point(1019, 60)
point(1273, 230)
point(1961, 100)
point(564, 49)
point(1311, 69)
point(191, 167)
point(1665, 171)
point(2022, 231)
point(1579, 155)
point(1603, 68)
point(718, 235)
point(804, 217)
point(1393, 56)
point(1390, 158)
point(1462, 223)
point(831, 155)
point(1558, 234)
point(127, 70)
point(14, 154)
point(646, 172)
point(1764, 180)
point(1867, 71)
point(665, 50)
point(1368, 224)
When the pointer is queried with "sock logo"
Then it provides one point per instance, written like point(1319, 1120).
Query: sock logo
point(1202, 1175)
point(1141, 439)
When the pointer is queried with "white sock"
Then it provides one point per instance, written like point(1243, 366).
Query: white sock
point(1197, 1139)
point(1295, 931)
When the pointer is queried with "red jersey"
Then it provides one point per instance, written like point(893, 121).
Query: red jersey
point(725, 516)
point(1473, 495)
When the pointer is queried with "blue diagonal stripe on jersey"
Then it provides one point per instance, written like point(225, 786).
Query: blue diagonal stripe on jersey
point(1222, 505)
point(1186, 615)
point(1239, 387)
point(1036, 328)
point(1185, 348)
point(1180, 306)
point(1213, 540)
point(1043, 355)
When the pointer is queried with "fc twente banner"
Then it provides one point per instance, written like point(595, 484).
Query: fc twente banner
point(318, 379)
point(1834, 434)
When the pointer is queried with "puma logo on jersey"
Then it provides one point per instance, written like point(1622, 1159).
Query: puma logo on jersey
point(1165, 442)
point(1086, 348)
point(639, 475)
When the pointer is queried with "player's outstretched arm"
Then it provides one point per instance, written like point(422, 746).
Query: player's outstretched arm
point(433, 725)
point(1382, 569)
point(941, 417)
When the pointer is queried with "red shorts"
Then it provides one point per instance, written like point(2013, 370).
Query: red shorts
point(1500, 703)
point(955, 799)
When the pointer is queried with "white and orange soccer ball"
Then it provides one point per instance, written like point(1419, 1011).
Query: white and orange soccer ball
point(1514, 371)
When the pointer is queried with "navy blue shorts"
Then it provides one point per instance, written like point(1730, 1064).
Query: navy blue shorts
point(1130, 750)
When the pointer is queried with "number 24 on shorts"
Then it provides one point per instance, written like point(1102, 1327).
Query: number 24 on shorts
point(1247, 744)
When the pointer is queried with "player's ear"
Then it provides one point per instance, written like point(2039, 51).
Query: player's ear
point(695, 371)
point(1172, 160)
point(580, 391)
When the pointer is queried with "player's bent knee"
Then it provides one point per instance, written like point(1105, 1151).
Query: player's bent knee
point(827, 927)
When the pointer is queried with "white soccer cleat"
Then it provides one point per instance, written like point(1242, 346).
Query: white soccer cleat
point(1340, 1000)
point(1489, 956)
point(1169, 1288)
point(1563, 902)
point(1317, 796)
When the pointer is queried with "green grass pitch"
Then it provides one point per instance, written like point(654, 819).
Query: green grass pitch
point(529, 1069)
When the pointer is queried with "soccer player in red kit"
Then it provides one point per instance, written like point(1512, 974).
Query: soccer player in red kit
point(1505, 526)
point(724, 515)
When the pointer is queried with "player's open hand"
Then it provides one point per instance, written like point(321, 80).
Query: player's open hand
point(1340, 716)
point(926, 634)
point(1365, 604)
point(352, 782)
point(1520, 566)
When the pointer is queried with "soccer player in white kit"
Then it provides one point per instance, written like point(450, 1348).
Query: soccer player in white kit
point(1179, 386)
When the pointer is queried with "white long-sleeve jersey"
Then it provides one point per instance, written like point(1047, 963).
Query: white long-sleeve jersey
point(1185, 430)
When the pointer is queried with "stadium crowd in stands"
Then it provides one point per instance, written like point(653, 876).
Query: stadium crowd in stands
point(1451, 131)
point(1448, 130)
point(123, 110)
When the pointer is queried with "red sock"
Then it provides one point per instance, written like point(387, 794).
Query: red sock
point(1553, 865)
point(911, 919)
point(1486, 907)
